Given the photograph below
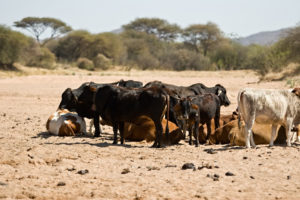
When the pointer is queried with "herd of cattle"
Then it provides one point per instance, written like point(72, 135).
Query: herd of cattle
point(163, 113)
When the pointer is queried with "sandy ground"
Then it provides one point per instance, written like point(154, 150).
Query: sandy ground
point(36, 165)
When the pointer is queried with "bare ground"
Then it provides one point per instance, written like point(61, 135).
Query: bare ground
point(36, 165)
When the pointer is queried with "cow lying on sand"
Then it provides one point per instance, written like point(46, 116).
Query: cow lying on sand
point(269, 106)
point(65, 123)
point(144, 129)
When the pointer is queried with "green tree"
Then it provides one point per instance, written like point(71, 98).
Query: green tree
point(12, 44)
point(155, 26)
point(37, 26)
point(202, 36)
point(73, 46)
point(291, 44)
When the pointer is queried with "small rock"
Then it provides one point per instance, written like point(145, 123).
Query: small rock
point(188, 166)
point(210, 151)
point(245, 157)
point(152, 168)
point(215, 177)
point(288, 177)
point(3, 184)
point(83, 171)
point(239, 190)
point(28, 118)
point(4, 114)
point(30, 156)
point(61, 183)
point(125, 171)
point(71, 169)
point(216, 166)
point(252, 177)
point(168, 165)
point(229, 174)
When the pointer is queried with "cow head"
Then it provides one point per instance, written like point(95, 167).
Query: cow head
point(296, 91)
point(221, 93)
point(68, 100)
point(85, 105)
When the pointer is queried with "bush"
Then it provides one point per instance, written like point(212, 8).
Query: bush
point(12, 44)
point(184, 59)
point(42, 57)
point(101, 62)
point(85, 63)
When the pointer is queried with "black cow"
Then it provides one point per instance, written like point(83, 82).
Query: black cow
point(129, 84)
point(218, 90)
point(118, 105)
point(195, 89)
point(197, 109)
point(69, 99)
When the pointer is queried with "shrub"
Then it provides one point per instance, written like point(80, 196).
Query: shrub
point(12, 43)
point(85, 63)
point(42, 57)
point(101, 62)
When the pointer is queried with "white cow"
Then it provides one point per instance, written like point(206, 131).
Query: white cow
point(268, 106)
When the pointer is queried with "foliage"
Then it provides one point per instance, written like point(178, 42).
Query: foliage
point(85, 63)
point(229, 55)
point(43, 57)
point(37, 26)
point(155, 26)
point(12, 44)
point(101, 62)
point(291, 45)
point(202, 36)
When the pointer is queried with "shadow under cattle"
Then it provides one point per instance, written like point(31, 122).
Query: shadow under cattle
point(102, 144)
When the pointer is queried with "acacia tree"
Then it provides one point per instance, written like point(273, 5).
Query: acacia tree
point(37, 26)
point(202, 36)
point(155, 26)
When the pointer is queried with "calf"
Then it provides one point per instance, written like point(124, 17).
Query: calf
point(198, 109)
point(118, 105)
point(65, 123)
point(276, 107)
point(144, 129)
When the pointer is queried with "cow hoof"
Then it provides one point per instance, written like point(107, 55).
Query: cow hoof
point(115, 142)
point(196, 145)
point(97, 135)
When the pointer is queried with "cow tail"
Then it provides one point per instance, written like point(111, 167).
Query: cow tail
point(239, 108)
point(168, 115)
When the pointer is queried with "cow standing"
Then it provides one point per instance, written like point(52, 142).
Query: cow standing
point(69, 99)
point(268, 106)
point(198, 109)
point(118, 105)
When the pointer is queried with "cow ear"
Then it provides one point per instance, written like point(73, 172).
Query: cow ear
point(93, 89)
point(194, 106)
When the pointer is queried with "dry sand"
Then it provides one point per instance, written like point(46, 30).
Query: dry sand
point(36, 165)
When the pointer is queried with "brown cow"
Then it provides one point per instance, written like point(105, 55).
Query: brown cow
point(224, 119)
point(260, 133)
point(144, 129)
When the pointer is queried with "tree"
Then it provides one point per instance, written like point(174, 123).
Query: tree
point(155, 26)
point(291, 44)
point(12, 44)
point(202, 36)
point(37, 26)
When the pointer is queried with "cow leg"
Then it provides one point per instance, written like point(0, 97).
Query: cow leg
point(274, 128)
point(158, 134)
point(115, 129)
point(196, 131)
point(190, 135)
point(121, 128)
point(208, 125)
point(97, 126)
point(288, 131)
